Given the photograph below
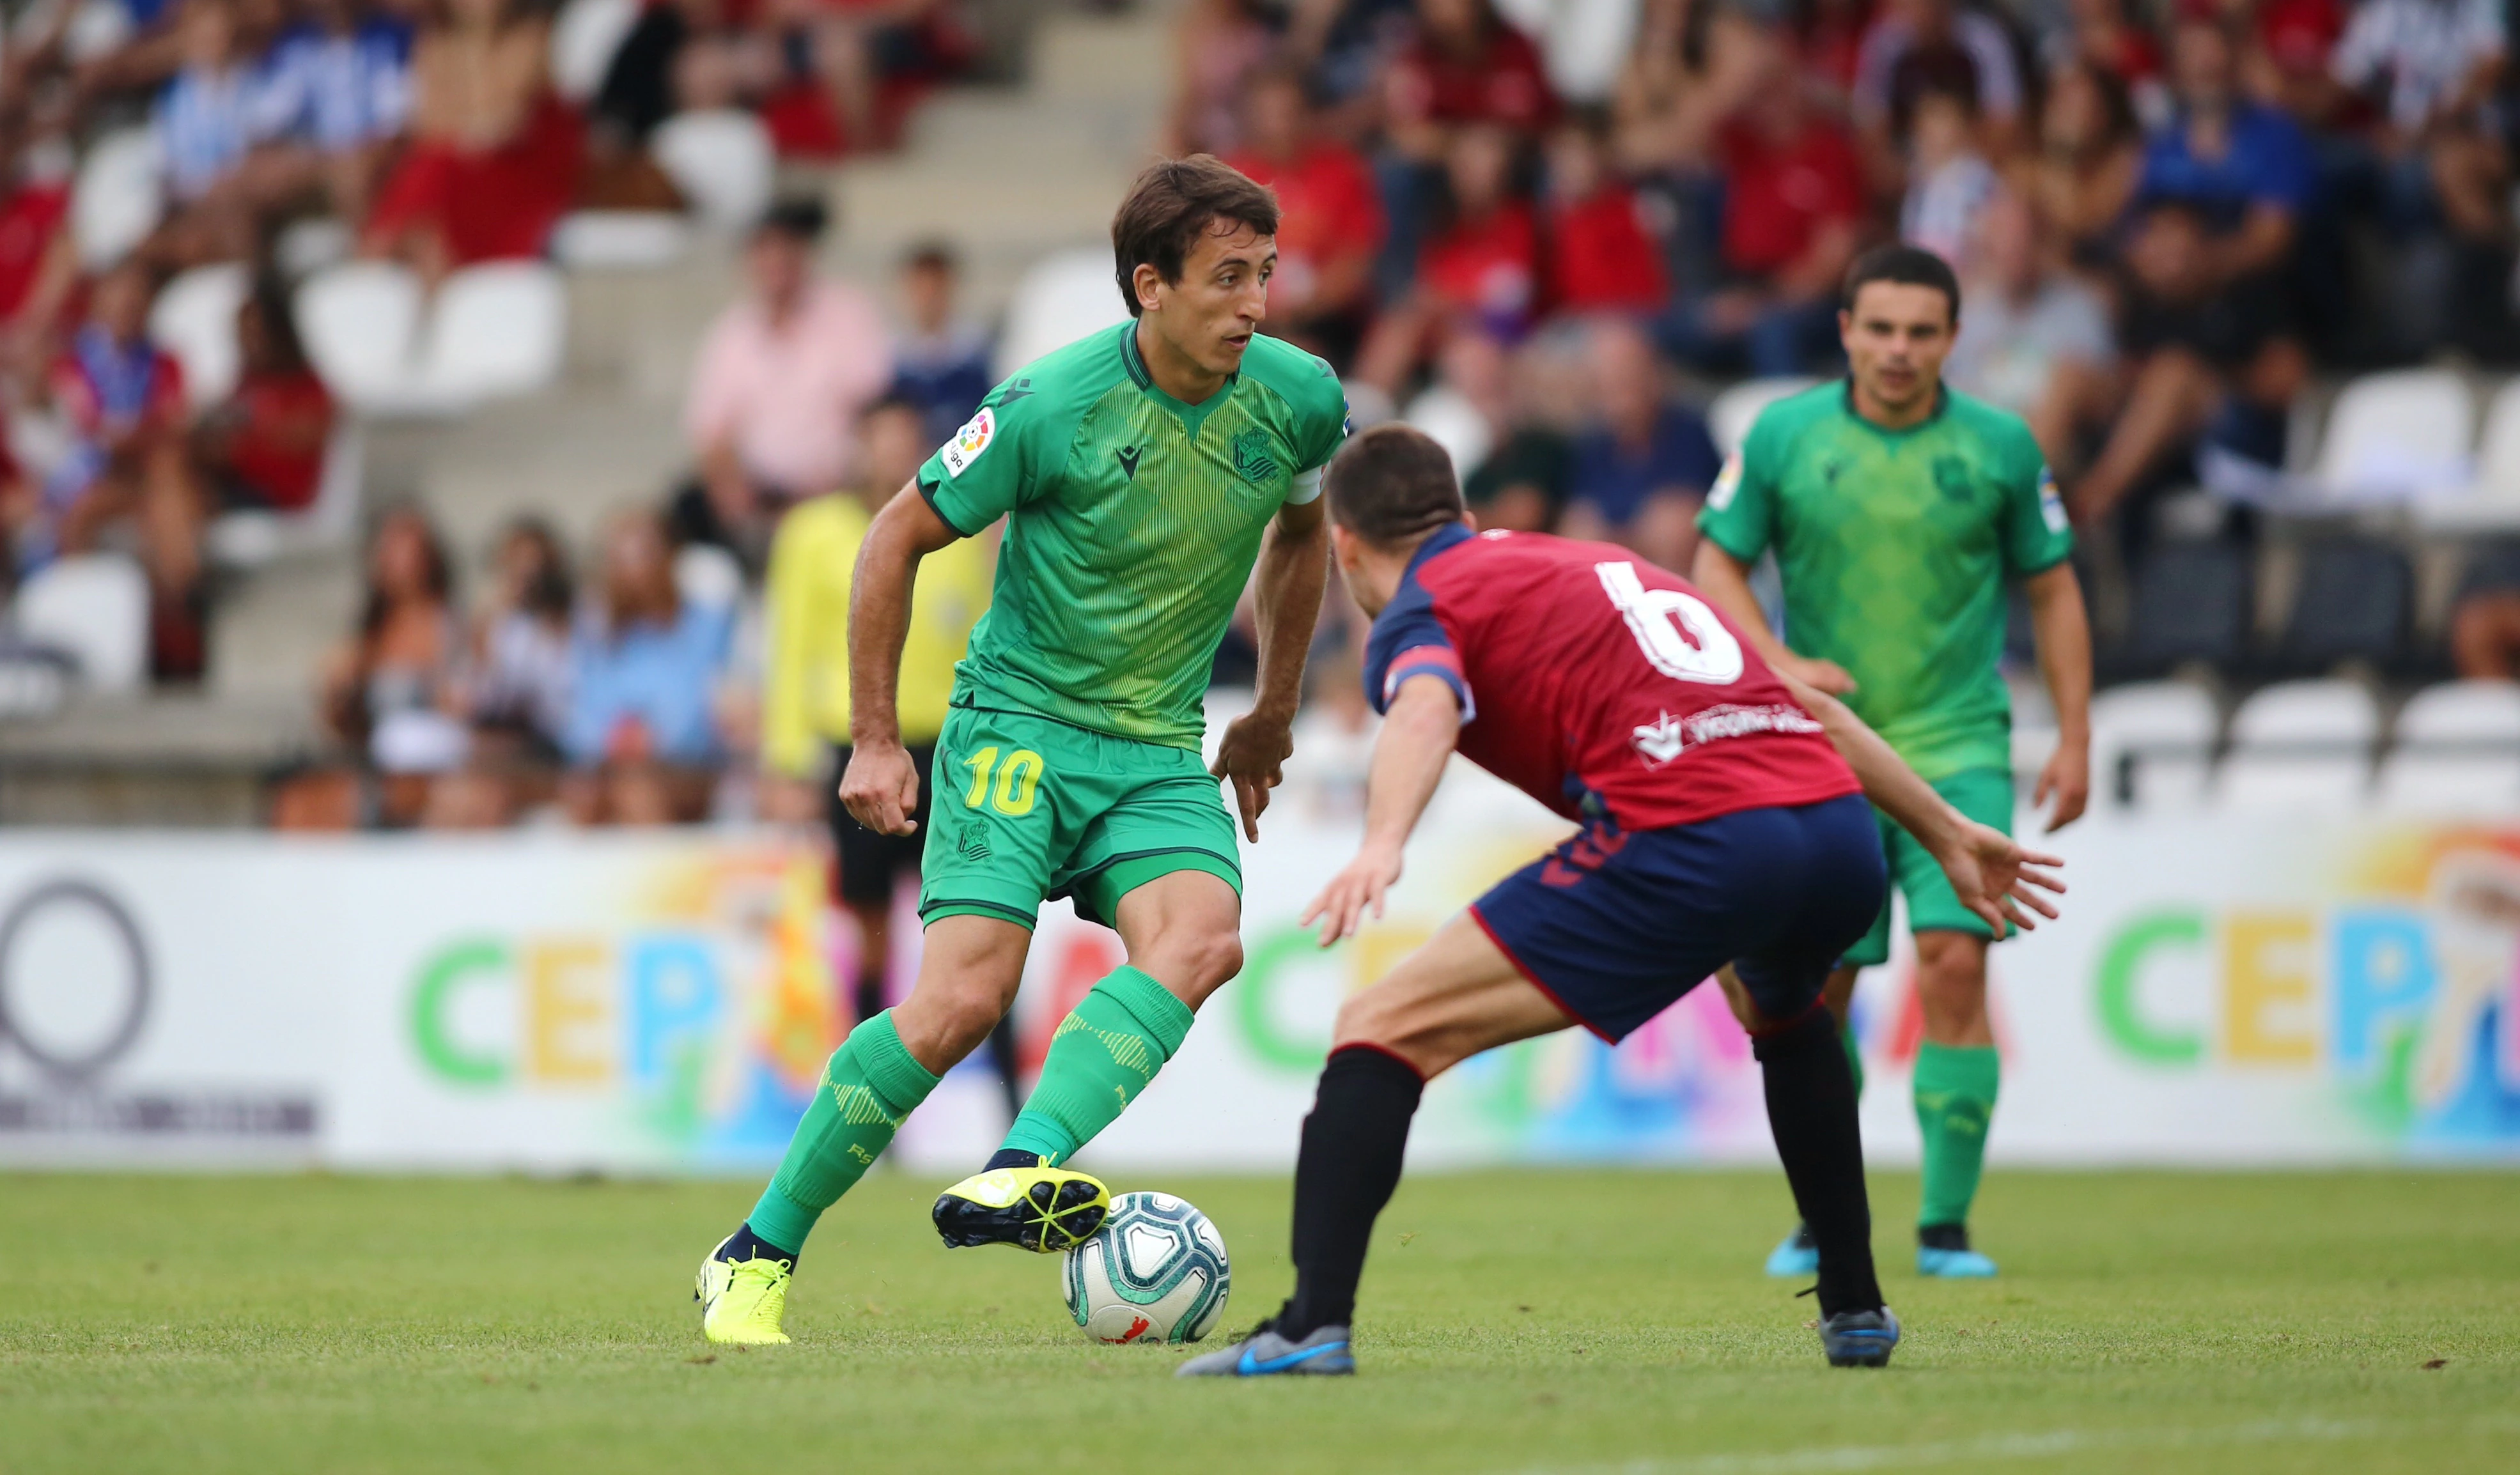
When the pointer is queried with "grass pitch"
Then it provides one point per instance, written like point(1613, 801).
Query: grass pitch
point(1514, 1321)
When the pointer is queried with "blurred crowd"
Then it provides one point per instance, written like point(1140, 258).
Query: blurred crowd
point(285, 134)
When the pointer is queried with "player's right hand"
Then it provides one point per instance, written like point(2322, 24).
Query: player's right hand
point(1342, 904)
point(1827, 675)
point(881, 789)
point(1996, 879)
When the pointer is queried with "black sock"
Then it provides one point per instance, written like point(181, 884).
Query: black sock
point(1942, 1236)
point(1354, 1141)
point(1011, 1157)
point(746, 1245)
point(1811, 1109)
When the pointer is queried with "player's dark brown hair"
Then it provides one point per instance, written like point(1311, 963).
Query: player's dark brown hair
point(1903, 264)
point(1172, 203)
point(1392, 486)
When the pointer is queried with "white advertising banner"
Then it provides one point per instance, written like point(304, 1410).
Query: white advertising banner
point(2219, 992)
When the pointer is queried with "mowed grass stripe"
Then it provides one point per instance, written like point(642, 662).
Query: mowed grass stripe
point(1530, 1321)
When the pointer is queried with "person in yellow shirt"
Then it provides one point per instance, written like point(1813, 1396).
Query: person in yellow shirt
point(805, 697)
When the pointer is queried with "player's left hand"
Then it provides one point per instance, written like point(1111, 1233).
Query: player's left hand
point(2067, 778)
point(1254, 747)
point(1996, 879)
point(1342, 904)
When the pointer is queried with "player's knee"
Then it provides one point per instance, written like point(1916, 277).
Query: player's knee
point(1196, 963)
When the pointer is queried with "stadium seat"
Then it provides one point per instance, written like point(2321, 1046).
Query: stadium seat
point(2457, 752)
point(2355, 603)
point(307, 247)
point(360, 322)
point(1061, 298)
point(707, 574)
point(722, 160)
point(584, 39)
point(1452, 422)
point(496, 330)
point(619, 240)
point(1730, 418)
point(2149, 745)
point(2192, 604)
point(196, 321)
point(2398, 437)
point(2300, 747)
point(2491, 501)
point(94, 608)
point(251, 539)
point(118, 199)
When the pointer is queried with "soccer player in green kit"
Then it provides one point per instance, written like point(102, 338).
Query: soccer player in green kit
point(1899, 510)
point(1143, 472)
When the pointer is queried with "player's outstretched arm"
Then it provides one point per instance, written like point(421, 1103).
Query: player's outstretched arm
point(1725, 580)
point(1993, 876)
point(881, 787)
point(2062, 632)
point(1409, 757)
point(1286, 586)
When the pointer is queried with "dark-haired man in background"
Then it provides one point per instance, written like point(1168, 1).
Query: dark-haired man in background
point(1143, 472)
point(1899, 512)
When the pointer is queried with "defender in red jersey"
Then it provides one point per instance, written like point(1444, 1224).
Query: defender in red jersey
point(1723, 827)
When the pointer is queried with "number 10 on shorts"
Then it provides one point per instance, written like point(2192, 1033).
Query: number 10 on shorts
point(1016, 780)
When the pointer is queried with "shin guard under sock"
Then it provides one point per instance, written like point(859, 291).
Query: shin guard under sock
point(1810, 1110)
point(870, 1085)
point(1105, 1054)
point(1354, 1141)
point(1955, 1088)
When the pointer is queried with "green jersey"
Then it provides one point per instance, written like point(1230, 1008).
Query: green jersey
point(1132, 524)
point(1895, 546)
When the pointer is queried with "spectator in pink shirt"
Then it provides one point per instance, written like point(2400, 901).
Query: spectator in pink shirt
point(783, 376)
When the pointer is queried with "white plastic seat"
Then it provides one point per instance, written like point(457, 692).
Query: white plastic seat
point(307, 247)
point(2457, 752)
point(119, 197)
point(195, 319)
point(1730, 418)
point(619, 240)
point(93, 607)
point(252, 539)
point(722, 160)
point(2300, 746)
point(360, 323)
point(2491, 501)
point(495, 329)
point(584, 40)
point(1452, 422)
point(1061, 298)
point(708, 575)
point(2166, 727)
point(2404, 435)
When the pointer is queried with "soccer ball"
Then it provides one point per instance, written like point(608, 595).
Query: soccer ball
point(1155, 1272)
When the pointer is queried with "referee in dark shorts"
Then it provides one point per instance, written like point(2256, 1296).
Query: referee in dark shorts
point(805, 696)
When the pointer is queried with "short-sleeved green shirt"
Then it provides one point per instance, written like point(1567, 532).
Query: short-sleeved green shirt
point(1895, 548)
point(1132, 524)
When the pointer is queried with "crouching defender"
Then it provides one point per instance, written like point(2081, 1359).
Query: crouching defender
point(1723, 824)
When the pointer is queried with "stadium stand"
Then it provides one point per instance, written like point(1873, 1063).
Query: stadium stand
point(2300, 747)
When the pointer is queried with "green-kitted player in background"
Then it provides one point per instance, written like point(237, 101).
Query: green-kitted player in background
point(1899, 512)
point(1143, 472)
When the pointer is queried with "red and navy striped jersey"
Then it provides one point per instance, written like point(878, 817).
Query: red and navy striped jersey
point(1598, 684)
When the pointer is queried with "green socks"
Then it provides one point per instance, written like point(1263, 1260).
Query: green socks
point(1103, 1057)
point(1955, 1088)
point(871, 1085)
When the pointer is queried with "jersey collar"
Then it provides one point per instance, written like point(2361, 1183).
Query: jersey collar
point(1846, 398)
point(1451, 535)
point(1191, 417)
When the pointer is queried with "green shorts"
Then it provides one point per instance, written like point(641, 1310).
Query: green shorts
point(1984, 795)
point(1028, 808)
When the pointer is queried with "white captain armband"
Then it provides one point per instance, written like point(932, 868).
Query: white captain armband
point(1306, 486)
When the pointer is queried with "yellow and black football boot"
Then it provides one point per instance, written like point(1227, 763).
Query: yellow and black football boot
point(1043, 1209)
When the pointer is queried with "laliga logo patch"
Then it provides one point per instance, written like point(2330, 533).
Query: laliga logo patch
point(1726, 485)
point(2051, 507)
point(970, 441)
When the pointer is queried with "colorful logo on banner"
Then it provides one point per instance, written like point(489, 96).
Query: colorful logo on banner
point(706, 1013)
point(2403, 990)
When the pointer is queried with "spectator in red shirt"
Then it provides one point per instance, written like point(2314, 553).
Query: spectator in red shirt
point(1481, 268)
point(1599, 254)
point(1794, 213)
point(263, 449)
point(39, 265)
point(1464, 65)
point(1330, 220)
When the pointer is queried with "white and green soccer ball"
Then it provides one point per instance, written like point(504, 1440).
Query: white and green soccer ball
point(1155, 1272)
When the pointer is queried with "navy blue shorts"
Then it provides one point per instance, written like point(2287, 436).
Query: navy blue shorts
point(1615, 924)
